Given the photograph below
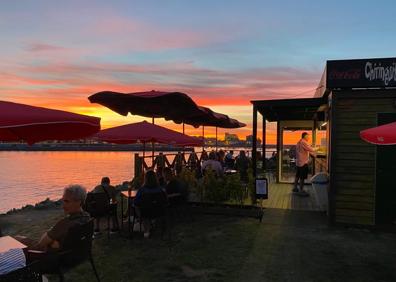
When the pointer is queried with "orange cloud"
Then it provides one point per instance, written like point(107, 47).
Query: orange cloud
point(67, 86)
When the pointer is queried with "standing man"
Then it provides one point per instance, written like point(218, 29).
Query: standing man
point(303, 149)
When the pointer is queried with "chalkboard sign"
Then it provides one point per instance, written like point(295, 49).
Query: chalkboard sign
point(261, 188)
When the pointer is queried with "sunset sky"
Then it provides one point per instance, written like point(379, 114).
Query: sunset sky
point(221, 53)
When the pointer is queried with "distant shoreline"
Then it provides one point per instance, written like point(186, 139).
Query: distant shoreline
point(106, 147)
point(87, 147)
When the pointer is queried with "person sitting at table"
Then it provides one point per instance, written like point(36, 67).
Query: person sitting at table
point(229, 160)
point(172, 185)
point(242, 164)
point(73, 199)
point(143, 200)
point(220, 157)
point(160, 176)
point(111, 193)
point(212, 164)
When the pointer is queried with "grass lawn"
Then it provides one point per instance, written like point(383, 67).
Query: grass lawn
point(286, 246)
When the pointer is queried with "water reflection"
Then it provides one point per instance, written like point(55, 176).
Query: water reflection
point(29, 177)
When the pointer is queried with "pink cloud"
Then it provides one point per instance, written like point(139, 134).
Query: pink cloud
point(43, 47)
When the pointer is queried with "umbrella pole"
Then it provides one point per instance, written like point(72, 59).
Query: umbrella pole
point(216, 138)
point(152, 155)
point(152, 148)
point(144, 150)
point(183, 146)
point(203, 138)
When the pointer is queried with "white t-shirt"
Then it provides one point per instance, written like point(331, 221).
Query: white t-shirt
point(215, 165)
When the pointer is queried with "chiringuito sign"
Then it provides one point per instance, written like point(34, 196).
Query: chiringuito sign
point(362, 73)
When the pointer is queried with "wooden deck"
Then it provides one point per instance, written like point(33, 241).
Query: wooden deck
point(280, 196)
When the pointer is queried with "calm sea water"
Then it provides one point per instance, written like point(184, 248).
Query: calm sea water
point(30, 177)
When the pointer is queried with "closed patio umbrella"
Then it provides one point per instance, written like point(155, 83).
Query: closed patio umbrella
point(34, 124)
point(154, 104)
point(380, 135)
point(207, 117)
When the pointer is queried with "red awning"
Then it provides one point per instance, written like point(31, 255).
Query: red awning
point(34, 124)
point(380, 135)
point(146, 132)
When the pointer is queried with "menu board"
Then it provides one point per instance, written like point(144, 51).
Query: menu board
point(261, 188)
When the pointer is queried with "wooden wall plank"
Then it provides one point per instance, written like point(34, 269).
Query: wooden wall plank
point(360, 220)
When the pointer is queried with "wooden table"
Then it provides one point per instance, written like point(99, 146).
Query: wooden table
point(7, 243)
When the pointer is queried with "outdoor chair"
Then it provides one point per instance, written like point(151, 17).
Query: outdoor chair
point(76, 248)
point(153, 206)
point(178, 203)
point(30, 272)
point(98, 206)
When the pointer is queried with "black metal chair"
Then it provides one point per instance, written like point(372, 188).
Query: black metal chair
point(76, 248)
point(30, 272)
point(98, 206)
point(153, 206)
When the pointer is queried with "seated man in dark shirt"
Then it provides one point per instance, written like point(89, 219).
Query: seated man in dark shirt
point(110, 191)
point(73, 199)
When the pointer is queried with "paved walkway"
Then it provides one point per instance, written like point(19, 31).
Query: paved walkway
point(299, 246)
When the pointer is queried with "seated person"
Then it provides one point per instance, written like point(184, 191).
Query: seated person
point(73, 199)
point(160, 176)
point(220, 157)
point(242, 164)
point(229, 160)
point(111, 193)
point(172, 185)
point(212, 164)
point(148, 191)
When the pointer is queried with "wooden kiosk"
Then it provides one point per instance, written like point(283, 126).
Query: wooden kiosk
point(352, 95)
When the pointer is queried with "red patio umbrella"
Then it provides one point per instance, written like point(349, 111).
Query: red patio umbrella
point(146, 132)
point(380, 135)
point(34, 124)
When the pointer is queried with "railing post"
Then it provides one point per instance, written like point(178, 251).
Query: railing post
point(138, 165)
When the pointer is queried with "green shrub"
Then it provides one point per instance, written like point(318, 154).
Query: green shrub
point(234, 188)
point(213, 188)
point(187, 178)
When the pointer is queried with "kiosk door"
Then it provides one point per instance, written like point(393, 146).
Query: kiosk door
point(385, 198)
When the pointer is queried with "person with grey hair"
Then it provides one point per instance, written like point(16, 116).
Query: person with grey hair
point(73, 200)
